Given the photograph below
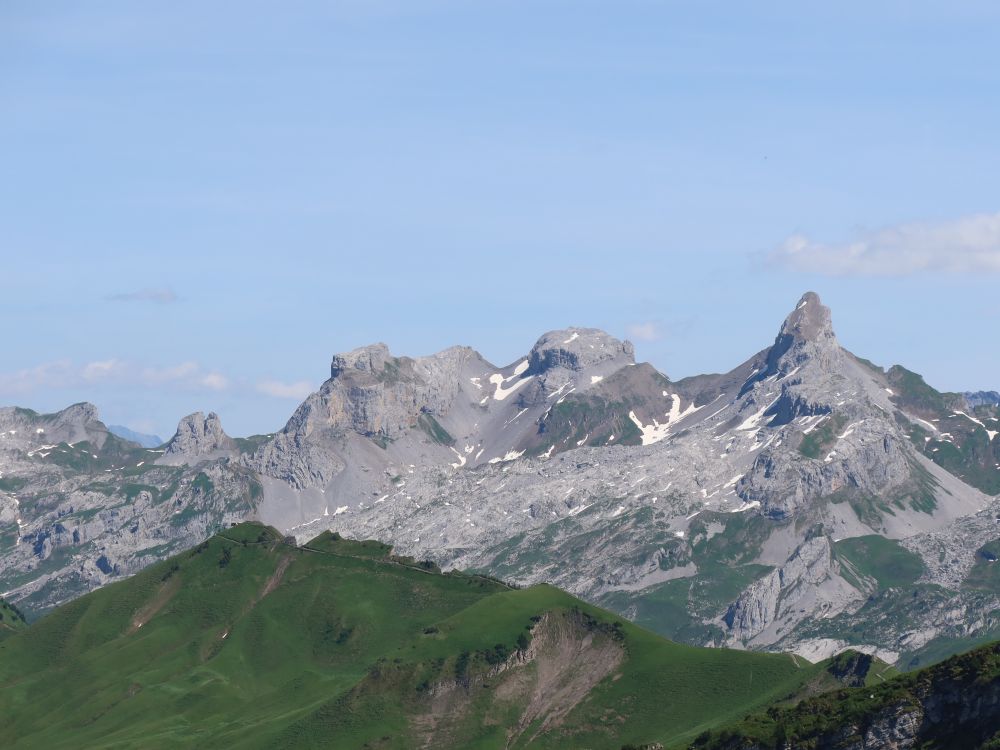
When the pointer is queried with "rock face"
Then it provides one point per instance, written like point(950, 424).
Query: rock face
point(74, 424)
point(198, 436)
point(775, 596)
point(371, 396)
point(983, 398)
point(578, 349)
point(750, 499)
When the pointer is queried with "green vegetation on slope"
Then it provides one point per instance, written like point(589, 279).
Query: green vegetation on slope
point(246, 641)
point(723, 547)
point(876, 558)
point(962, 695)
point(434, 429)
point(11, 619)
point(985, 574)
point(821, 440)
point(957, 441)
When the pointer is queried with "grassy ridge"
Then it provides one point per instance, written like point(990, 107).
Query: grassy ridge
point(247, 642)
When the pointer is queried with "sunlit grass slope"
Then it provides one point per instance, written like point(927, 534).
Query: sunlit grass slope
point(247, 641)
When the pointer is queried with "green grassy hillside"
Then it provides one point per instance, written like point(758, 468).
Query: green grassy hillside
point(248, 642)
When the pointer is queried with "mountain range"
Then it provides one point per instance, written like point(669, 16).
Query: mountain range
point(806, 501)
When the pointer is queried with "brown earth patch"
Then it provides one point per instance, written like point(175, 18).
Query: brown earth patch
point(163, 595)
point(565, 660)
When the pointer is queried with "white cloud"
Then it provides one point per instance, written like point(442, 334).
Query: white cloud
point(48, 375)
point(644, 331)
point(967, 245)
point(161, 296)
point(216, 381)
point(66, 374)
point(173, 373)
point(277, 389)
point(101, 370)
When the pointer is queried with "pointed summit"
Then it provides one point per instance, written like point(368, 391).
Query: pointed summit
point(198, 435)
point(807, 333)
point(809, 321)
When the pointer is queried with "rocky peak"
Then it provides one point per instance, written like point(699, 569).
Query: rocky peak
point(198, 435)
point(73, 424)
point(809, 321)
point(80, 414)
point(578, 349)
point(370, 359)
point(807, 334)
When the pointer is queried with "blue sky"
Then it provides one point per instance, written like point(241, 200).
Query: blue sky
point(200, 202)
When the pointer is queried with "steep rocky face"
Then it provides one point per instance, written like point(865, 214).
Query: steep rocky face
point(578, 349)
point(371, 396)
point(983, 398)
point(849, 444)
point(807, 582)
point(198, 436)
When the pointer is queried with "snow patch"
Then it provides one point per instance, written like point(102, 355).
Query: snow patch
point(814, 422)
point(499, 380)
point(655, 432)
point(509, 456)
point(849, 431)
point(992, 433)
point(754, 419)
point(747, 506)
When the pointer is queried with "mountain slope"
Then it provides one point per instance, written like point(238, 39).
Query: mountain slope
point(80, 506)
point(955, 704)
point(11, 619)
point(246, 641)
